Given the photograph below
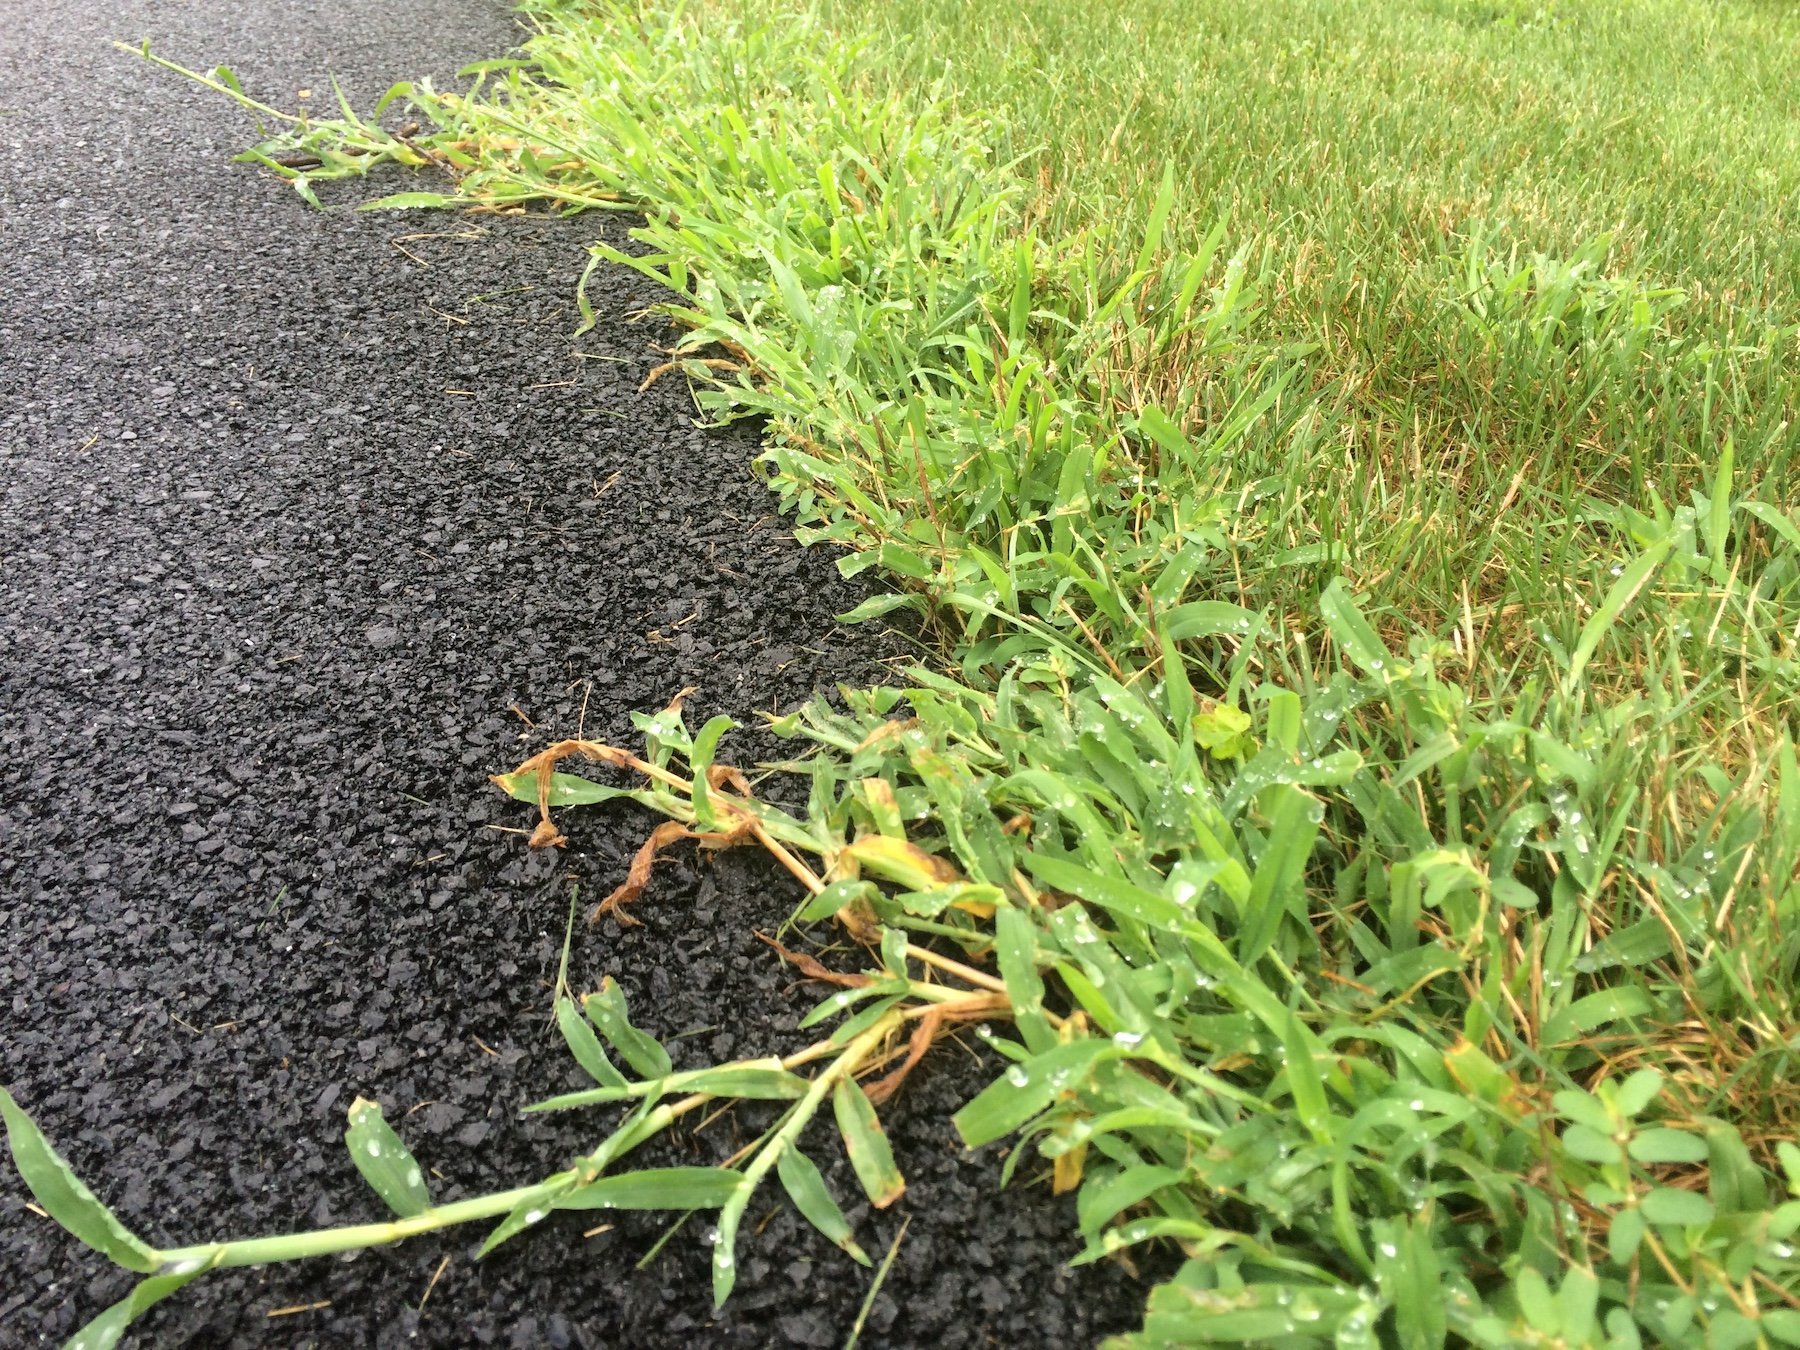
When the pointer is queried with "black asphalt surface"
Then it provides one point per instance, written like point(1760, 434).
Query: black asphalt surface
point(309, 522)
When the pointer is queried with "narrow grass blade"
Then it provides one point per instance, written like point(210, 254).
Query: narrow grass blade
point(527, 1213)
point(752, 1082)
point(805, 1186)
point(384, 1160)
point(867, 1144)
point(638, 1048)
point(887, 1264)
point(105, 1330)
point(585, 1046)
point(65, 1198)
point(657, 1188)
point(1618, 598)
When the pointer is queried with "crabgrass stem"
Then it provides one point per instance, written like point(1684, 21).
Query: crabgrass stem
point(326, 1241)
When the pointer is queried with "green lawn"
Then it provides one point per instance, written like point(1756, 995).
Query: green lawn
point(1393, 169)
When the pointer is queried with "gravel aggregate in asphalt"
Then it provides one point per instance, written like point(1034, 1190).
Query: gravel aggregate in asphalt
point(309, 522)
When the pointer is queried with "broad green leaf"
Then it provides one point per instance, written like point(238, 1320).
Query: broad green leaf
point(1353, 632)
point(1156, 424)
point(1536, 1301)
point(1111, 893)
point(1101, 1201)
point(1667, 1146)
point(657, 1188)
point(1636, 944)
point(845, 999)
point(1159, 216)
point(1591, 1145)
point(1584, 1109)
point(1624, 1235)
point(893, 953)
point(568, 1101)
point(637, 1048)
point(835, 897)
point(1576, 1302)
point(866, 1143)
point(724, 1243)
point(1026, 1090)
point(1775, 520)
point(1668, 1205)
point(1222, 731)
point(65, 1198)
point(1718, 516)
point(806, 1187)
point(897, 558)
point(385, 1162)
point(902, 863)
point(1783, 1325)
point(852, 1027)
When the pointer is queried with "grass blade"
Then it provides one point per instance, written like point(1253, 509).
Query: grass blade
point(867, 1144)
point(384, 1160)
point(805, 1186)
point(65, 1198)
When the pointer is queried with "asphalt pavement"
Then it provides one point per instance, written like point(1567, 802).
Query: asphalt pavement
point(309, 521)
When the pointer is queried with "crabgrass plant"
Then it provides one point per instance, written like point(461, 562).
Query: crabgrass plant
point(1416, 958)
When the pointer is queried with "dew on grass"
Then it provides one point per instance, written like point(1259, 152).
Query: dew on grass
point(1017, 1076)
point(374, 1148)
